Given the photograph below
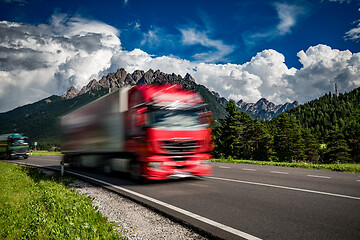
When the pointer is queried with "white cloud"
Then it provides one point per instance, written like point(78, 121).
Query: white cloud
point(265, 75)
point(50, 57)
point(322, 67)
point(38, 61)
point(288, 16)
point(217, 50)
point(353, 34)
point(151, 38)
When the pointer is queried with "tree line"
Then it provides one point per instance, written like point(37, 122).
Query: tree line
point(326, 130)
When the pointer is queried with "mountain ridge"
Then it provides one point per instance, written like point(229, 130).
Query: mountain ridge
point(121, 78)
point(262, 109)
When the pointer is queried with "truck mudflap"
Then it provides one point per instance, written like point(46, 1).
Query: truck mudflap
point(169, 167)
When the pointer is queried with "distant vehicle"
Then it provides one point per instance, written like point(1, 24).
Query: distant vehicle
point(14, 145)
point(150, 131)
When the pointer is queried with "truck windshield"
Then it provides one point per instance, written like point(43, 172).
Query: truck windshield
point(176, 120)
point(19, 142)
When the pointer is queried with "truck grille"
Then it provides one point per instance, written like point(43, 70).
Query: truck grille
point(179, 147)
point(20, 150)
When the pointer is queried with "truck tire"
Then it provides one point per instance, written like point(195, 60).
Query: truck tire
point(107, 169)
point(136, 172)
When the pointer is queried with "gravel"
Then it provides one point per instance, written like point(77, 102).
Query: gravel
point(133, 220)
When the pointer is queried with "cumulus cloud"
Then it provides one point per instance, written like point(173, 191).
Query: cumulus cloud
point(322, 68)
point(38, 61)
point(265, 75)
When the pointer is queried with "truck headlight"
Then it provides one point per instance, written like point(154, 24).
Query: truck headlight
point(154, 165)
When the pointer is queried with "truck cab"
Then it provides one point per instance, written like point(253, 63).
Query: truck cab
point(169, 130)
point(14, 145)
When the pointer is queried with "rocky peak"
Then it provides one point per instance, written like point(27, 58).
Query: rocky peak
point(120, 74)
point(92, 85)
point(266, 109)
point(188, 77)
point(147, 78)
point(121, 78)
point(137, 75)
point(70, 93)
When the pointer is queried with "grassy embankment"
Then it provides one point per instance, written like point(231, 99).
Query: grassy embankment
point(354, 168)
point(36, 206)
point(45, 153)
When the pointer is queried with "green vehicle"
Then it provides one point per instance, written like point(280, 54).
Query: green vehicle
point(14, 145)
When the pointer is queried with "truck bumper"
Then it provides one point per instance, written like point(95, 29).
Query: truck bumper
point(159, 167)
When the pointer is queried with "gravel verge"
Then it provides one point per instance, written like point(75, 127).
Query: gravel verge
point(134, 220)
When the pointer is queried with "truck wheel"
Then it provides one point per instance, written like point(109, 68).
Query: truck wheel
point(107, 169)
point(136, 172)
point(72, 162)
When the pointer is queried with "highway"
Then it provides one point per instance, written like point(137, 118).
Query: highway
point(241, 201)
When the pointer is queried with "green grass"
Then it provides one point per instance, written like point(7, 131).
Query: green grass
point(353, 168)
point(36, 206)
point(45, 153)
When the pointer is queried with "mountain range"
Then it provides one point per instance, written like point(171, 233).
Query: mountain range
point(265, 110)
point(262, 109)
point(39, 120)
point(121, 78)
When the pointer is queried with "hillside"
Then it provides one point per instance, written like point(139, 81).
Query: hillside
point(39, 120)
point(329, 113)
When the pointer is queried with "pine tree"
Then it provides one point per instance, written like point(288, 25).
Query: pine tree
point(228, 136)
point(337, 149)
point(288, 142)
point(352, 134)
point(311, 146)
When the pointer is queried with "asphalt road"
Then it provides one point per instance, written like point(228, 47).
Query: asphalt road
point(251, 201)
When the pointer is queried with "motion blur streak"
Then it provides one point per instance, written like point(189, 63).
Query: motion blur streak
point(150, 131)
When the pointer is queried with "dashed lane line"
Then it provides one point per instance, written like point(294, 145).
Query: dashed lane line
point(287, 188)
point(249, 169)
point(318, 176)
point(279, 172)
point(223, 167)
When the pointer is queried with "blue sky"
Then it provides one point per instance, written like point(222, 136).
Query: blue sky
point(281, 50)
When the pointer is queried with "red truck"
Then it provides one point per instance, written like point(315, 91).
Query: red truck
point(150, 131)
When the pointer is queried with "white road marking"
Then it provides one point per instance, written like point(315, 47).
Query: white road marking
point(358, 180)
point(318, 176)
point(177, 209)
point(223, 167)
point(249, 169)
point(287, 188)
point(279, 172)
